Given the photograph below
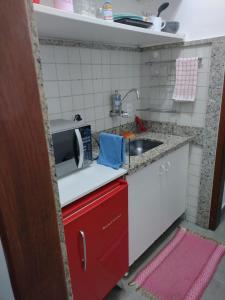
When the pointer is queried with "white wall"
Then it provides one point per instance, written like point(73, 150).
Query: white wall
point(5, 285)
point(198, 18)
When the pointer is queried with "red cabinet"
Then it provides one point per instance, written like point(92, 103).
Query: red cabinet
point(96, 231)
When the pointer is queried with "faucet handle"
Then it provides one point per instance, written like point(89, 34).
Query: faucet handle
point(124, 114)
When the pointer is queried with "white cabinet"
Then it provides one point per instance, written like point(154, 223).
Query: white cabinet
point(157, 196)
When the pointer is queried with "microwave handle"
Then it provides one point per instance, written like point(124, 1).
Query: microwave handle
point(81, 148)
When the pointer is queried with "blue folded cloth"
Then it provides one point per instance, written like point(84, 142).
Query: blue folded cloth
point(112, 150)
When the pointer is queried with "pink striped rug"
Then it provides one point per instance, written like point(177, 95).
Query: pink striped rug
point(183, 269)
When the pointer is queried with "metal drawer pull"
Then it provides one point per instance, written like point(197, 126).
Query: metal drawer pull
point(84, 259)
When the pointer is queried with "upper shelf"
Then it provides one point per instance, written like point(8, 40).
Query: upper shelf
point(57, 23)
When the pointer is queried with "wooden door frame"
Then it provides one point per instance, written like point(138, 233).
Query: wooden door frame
point(28, 219)
point(219, 171)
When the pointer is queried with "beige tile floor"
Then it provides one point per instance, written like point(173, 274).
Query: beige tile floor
point(216, 288)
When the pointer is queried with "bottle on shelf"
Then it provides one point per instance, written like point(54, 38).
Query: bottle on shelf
point(116, 102)
point(107, 11)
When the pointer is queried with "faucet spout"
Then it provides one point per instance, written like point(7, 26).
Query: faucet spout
point(130, 91)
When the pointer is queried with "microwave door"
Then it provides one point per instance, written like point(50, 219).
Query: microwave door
point(64, 151)
point(80, 147)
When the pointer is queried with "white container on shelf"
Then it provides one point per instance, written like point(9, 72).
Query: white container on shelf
point(85, 7)
point(64, 4)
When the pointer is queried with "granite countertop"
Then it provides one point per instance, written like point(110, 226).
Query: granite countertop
point(170, 143)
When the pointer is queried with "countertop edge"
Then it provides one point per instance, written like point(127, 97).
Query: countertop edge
point(139, 166)
point(87, 192)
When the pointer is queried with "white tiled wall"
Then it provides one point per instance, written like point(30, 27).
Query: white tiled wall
point(157, 84)
point(158, 80)
point(195, 159)
point(81, 80)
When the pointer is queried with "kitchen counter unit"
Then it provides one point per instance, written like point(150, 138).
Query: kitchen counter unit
point(83, 182)
point(170, 143)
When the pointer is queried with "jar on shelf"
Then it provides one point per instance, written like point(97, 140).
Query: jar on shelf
point(64, 4)
point(85, 7)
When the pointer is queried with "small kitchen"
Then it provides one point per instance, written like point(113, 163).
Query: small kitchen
point(131, 133)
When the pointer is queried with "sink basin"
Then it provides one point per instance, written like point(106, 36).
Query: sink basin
point(140, 146)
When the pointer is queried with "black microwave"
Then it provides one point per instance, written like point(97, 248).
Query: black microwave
point(72, 146)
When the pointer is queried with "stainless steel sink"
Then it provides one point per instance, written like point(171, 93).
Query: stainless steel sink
point(140, 146)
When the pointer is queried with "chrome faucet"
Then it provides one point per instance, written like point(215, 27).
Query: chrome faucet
point(123, 113)
point(130, 91)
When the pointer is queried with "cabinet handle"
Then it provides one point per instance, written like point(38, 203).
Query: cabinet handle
point(162, 170)
point(84, 259)
point(168, 165)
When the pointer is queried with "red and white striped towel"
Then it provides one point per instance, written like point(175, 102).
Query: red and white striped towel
point(186, 79)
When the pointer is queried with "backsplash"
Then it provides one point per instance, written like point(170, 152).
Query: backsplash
point(158, 80)
point(81, 80)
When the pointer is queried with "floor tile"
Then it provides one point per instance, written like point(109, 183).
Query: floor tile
point(216, 288)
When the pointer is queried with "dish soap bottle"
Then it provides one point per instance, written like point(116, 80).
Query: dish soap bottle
point(116, 102)
point(107, 11)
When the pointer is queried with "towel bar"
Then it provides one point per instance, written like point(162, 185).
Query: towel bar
point(169, 61)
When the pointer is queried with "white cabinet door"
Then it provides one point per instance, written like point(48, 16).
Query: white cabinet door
point(156, 199)
point(173, 183)
point(144, 210)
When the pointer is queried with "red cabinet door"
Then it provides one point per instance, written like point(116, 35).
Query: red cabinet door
point(96, 231)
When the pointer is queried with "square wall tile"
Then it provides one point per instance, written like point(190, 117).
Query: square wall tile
point(100, 125)
point(68, 115)
point(87, 86)
point(63, 71)
point(97, 86)
point(96, 71)
point(61, 54)
point(98, 99)
point(51, 89)
point(85, 55)
point(54, 116)
point(204, 51)
point(47, 54)
point(106, 72)
point(86, 71)
point(96, 57)
point(65, 88)
point(75, 71)
point(77, 87)
point(74, 55)
point(49, 71)
point(89, 101)
point(99, 112)
point(78, 102)
point(66, 104)
point(54, 106)
point(105, 54)
point(89, 114)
